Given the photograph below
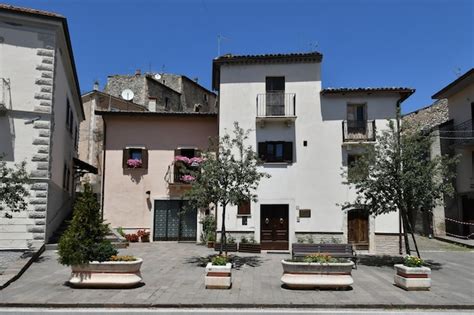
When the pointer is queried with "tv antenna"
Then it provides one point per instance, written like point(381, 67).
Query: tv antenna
point(313, 46)
point(219, 40)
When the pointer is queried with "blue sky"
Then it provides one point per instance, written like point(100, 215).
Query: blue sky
point(419, 44)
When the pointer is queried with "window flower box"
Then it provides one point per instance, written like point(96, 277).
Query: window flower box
point(134, 163)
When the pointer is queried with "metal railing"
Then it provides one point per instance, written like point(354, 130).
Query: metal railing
point(462, 134)
point(276, 104)
point(358, 130)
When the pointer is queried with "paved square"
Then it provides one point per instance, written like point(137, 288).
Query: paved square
point(172, 277)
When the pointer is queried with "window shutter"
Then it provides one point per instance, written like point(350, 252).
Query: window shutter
point(197, 153)
point(177, 152)
point(244, 207)
point(288, 151)
point(125, 157)
point(144, 158)
point(262, 151)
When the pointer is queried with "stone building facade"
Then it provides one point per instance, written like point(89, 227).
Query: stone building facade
point(42, 110)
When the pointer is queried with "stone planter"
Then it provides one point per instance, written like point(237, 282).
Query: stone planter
point(250, 248)
point(107, 274)
point(218, 277)
point(210, 244)
point(303, 275)
point(227, 247)
point(412, 278)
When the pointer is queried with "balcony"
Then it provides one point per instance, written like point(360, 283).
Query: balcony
point(462, 134)
point(276, 106)
point(358, 131)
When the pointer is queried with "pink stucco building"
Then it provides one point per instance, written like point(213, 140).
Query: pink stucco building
point(149, 195)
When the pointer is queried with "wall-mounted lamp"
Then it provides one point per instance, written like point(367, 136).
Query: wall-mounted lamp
point(148, 193)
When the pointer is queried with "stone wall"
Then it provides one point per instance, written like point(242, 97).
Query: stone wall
point(137, 83)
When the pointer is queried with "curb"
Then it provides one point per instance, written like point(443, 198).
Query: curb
point(453, 242)
point(242, 306)
point(22, 270)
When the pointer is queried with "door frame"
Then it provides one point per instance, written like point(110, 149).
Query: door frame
point(152, 219)
point(288, 222)
point(366, 246)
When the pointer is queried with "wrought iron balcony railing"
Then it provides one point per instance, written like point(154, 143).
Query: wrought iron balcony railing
point(462, 134)
point(358, 130)
point(276, 104)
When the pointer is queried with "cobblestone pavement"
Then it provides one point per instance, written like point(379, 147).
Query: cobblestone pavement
point(8, 257)
point(173, 277)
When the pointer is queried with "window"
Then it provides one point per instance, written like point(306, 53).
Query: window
point(204, 97)
point(167, 100)
point(66, 177)
point(244, 208)
point(356, 118)
point(71, 122)
point(182, 169)
point(76, 138)
point(68, 109)
point(189, 153)
point(275, 151)
point(135, 158)
point(351, 161)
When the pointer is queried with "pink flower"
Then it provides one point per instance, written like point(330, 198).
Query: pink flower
point(181, 158)
point(134, 163)
point(187, 178)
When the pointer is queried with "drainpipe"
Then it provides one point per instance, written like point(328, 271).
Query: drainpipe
point(400, 242)
point(104, 146)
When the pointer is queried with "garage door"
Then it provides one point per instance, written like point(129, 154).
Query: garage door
point(172, 223)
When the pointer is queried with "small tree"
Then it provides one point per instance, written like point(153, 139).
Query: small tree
point(84, 240)
point(227, 178)
point(397, 173)
point(13, 190)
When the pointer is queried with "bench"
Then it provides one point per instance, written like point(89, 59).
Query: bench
point(299, 251)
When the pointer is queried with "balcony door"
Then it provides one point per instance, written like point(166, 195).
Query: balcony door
point(357, 119)
point(275, 96)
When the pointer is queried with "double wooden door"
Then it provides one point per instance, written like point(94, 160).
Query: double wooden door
point(274, 227)
point(358, 228)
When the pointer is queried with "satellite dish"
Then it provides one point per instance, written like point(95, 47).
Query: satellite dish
point(127, 94)
point(157, 76)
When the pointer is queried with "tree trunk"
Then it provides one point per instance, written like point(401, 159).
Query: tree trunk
point(412, 235)
point(405, 231)
point(223, 237)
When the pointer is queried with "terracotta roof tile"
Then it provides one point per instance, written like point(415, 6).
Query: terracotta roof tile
point(8, 7)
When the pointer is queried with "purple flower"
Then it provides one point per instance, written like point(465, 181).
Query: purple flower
point(134, 163)
point(187, 178)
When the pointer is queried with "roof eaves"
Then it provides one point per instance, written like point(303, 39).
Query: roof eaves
point(441, 93)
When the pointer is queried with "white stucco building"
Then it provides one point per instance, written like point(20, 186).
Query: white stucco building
point(305, 135)
point(42, 109)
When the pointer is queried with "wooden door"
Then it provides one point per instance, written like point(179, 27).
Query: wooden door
point(274, 227)
point(358, 228)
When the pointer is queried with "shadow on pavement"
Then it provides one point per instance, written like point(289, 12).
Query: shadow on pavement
point(389, 261)
point(237, 261)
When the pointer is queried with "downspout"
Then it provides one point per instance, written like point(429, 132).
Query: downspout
point(104, 146)
point(400, 241)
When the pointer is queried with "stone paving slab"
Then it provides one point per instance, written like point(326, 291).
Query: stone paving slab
point(14, 263)
point(173, 278)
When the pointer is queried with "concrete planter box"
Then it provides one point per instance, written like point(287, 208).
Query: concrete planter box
point(107, 274)
point(250, 248)
point(303, 275)
point(218, 277)
point(412, 278)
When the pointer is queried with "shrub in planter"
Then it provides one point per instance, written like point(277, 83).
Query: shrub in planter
point(249, 245)
point(211, 239)
point(132, 238)
point(317, 271)
point(144, 236)
point(218, 273)
point(231, 245)
point(412, 274)
point(85, 248)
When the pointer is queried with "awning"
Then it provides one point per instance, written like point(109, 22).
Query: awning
point(81, 167)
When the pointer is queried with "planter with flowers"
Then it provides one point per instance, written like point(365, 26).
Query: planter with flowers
point(144, 236)
point(249, 245)
point(132, 238)
point(412, 274)
point(317, 271)
point(134, 163)
point(218, 273)
point(93, 258)
point(184, 167)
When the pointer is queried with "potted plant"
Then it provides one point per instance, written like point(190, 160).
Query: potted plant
point(132, 238)
point(134, 163)
point(93, 258)
point(208, 234)
point(413, 274)
point(144, 236)
point(231, 245)
point(211, 240)
point(317, 271)
point(218, 273)
point(249, 245)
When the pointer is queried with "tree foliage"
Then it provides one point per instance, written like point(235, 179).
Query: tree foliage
point(228, 175)
point(13, 186)
point(84, 240)
point(398, 173)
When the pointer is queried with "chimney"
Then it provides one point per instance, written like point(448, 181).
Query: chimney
point(96, 86)
point(196, 79)
point(138, 72)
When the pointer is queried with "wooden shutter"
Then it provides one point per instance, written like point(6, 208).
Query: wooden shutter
point(125, 157)
point(262, 151)
point(288, 152)
point(177, 152)
point(144, 158)
point(244, 207)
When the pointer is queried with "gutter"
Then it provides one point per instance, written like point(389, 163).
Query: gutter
point(104, 146)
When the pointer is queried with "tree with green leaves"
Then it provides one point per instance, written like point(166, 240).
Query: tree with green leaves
point(397, 173)
point(85, 238)
point(228, 175)
point(13, 187)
